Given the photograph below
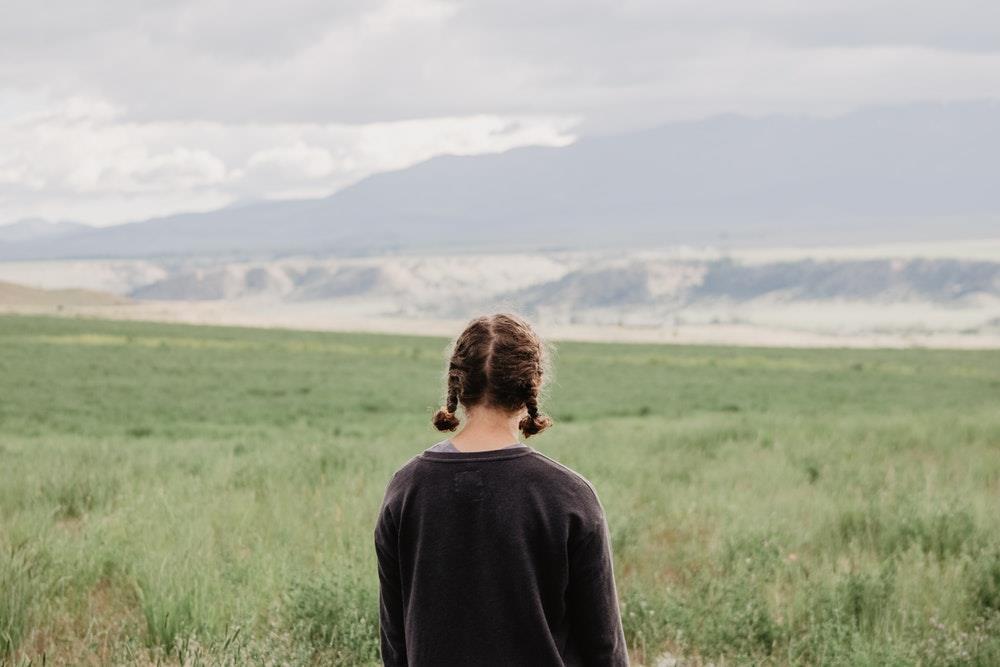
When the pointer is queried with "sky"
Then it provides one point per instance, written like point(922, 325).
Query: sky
point(120, 110)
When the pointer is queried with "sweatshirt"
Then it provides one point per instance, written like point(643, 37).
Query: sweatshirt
point(500, 557)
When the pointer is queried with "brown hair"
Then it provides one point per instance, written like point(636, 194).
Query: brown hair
point(497, 361)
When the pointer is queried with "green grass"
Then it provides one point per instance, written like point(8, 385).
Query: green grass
point(207, 495)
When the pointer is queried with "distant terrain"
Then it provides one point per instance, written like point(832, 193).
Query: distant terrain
point(918, 172)
point(877, 227)
point(916, 295)
point(13, 296)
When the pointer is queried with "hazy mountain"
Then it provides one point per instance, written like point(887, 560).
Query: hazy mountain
point(906, 173)
point(648, 289)
point(692, 282)
point(30, 229)
point(587, 282)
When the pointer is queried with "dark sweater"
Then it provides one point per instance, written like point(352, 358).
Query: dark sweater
point(495, 558)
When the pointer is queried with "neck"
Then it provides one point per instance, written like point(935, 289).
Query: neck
point(486, 429)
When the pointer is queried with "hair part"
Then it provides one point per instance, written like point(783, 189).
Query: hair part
point(497, 361)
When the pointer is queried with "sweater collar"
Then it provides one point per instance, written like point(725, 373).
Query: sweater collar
point(487, 455)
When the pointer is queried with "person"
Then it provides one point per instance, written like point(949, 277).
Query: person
point(488, 551)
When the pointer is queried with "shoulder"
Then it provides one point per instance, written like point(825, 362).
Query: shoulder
point(406, 469)
point(575, 493)
point(401, 477)
point(566, 479)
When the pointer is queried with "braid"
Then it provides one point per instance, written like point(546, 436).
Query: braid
point(533, 422)
point(445, 419)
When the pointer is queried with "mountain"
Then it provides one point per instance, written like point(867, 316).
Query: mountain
point(892, 174)
point(30, 229)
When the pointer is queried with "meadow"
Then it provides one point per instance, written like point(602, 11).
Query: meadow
point(206, 496)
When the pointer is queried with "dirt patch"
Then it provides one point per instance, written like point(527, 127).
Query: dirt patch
point(91, 632)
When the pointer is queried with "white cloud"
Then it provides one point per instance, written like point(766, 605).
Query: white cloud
point(296, 161)
point(83, 160)
point(295, 170)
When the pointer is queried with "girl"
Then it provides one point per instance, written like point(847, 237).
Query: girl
point(489, 552)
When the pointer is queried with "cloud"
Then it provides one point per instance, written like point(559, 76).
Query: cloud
point(154, 101)
point(84, 160)
point(288, 171)
point(619, 64)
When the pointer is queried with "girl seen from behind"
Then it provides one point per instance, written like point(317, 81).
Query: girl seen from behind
point(489, 552)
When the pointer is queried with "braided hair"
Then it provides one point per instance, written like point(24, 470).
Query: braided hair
point(498, 361)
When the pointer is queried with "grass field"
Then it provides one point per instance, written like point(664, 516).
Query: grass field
point(207, 495)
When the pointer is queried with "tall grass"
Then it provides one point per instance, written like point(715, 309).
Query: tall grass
point(189, 495)
point(337, 614)
point(22, 581)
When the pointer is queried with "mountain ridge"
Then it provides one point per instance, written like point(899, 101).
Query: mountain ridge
point(893, 173)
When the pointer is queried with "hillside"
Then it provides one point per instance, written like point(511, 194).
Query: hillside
point(894, 174)
point(13, 295)
point(581, 282)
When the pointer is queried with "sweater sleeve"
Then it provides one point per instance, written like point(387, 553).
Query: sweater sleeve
point(391, 634)
point(592, 600)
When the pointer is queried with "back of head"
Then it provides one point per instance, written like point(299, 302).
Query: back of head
point(497, 361)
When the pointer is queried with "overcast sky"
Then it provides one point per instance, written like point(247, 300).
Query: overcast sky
point(120, 110)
